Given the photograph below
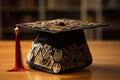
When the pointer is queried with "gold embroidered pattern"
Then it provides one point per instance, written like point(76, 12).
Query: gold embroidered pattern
point(57, 59)
point(59, 24)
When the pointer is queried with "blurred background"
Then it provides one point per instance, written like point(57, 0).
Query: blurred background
point(20, 11)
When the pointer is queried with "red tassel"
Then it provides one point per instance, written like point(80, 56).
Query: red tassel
point(18, 61)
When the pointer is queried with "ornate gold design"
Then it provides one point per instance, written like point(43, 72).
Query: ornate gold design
point(58, 54)
point(59, 24)
point(56, 67)
point(54, 59)
point(44, 57)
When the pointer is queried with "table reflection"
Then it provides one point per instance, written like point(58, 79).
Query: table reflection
point(74, 75)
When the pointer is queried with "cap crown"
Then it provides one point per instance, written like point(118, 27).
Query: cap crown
point(59, 25)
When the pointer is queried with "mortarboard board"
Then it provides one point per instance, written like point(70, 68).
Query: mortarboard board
point(59, 45)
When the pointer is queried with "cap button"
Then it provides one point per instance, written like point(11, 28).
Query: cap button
point(61, 24)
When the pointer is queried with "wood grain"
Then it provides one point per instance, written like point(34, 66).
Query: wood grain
point(105, 66)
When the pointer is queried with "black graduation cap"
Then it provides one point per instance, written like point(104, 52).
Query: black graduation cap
point(59, 45)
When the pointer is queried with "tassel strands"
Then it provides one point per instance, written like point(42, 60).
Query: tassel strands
point(18, 60)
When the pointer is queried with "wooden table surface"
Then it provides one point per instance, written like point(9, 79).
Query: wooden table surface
point(105, 66)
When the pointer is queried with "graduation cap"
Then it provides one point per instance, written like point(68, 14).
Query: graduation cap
point(59, 45)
